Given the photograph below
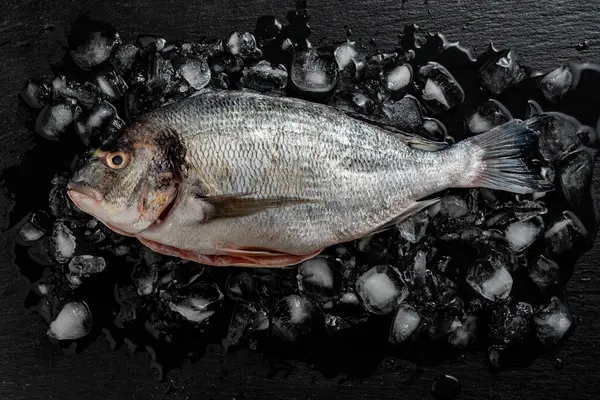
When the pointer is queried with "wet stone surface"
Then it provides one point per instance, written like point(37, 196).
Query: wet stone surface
point(479, 269)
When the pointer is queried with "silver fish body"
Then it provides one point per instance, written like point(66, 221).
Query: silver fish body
point(331, 178)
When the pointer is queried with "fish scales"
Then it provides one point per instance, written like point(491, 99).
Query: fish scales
point(269, 181)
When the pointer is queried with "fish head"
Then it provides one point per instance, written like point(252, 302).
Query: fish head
point(128, 182)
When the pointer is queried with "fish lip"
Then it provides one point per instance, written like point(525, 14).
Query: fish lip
point(83, 190)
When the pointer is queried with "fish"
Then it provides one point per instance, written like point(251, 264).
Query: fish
point(237, 178)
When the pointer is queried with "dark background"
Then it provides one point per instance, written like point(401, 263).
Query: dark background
point(544, 32)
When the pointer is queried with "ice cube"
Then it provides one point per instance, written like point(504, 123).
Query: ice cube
point(36, 93)
point(182, 274)
point(552, 321)
point(126, 297)
point(242, 287)
point(350, 62)
point(557, 83)
point(381, 289)
point(398, 79)
point(99, 124)
point(242, 320)
point(526, 209)
point(559, 134)
point(34, 226)
point(264, 77)
point(221, 81)
point(511, 326)
point(160, 75)
point(42, 251)
point(123, 58)
point(136, 103)
point(416, 275)
point(453, 207)
point(196, 72)
point(564, 235)
point(53, 121)
point(294, 318)
point(406, 114)
point(345, 54)
point(243, 45)
point(95, 49)
point(467, 330)
point(503, 70)
point(495, 356)
point(446, 319)
point(434, 129)
point(120, 250)
point(488, 115)
point(196, 303)
point(28, 232)
point(151, 43)
point(312, 73)
point(414, 227)
point(261, 320)
point(335, 323)
point(145, 278)
point(406, 323)
point(490, 278)
point(352, 101)
point(440, 92)
point(576, 171)
point(545, 273)
point(375, 248)
point(64, 242)
point(73, 322)
point(86, 265)
point(319, 278)
point(111, 85)
point(434, 288)
point(267, 27)
point(522, 234)
point(86, 94)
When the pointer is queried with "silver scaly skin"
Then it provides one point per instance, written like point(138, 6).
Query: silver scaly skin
point(270, 181)
point(358, 176)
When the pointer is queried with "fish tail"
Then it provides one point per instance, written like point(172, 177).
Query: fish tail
point(503, 158)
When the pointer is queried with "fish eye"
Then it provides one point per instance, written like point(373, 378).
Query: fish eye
point(117, 160)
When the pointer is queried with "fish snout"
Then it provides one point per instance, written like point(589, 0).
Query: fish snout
point(78, 191)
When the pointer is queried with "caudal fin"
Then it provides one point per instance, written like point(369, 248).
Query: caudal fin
point(502, 158)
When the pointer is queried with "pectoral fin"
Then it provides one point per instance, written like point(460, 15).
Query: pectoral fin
point(230, 206)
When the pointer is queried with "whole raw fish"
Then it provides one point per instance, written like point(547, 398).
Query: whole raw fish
point(242, 179)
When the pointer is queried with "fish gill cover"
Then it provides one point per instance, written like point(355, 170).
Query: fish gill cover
point(481, 270)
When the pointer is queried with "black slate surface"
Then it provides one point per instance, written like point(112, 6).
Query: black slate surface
point(32, 33)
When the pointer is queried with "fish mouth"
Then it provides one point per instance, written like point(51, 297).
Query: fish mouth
point(79, 194)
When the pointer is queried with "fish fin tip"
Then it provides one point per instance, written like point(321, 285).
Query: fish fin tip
point(413, 208)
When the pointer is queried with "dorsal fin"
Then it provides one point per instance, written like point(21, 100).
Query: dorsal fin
point(412, 140)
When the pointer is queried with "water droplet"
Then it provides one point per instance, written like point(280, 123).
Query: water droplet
point(558, 363)
point(445, 387)
point(582, 46)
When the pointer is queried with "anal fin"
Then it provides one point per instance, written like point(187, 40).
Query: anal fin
point(407, 212)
